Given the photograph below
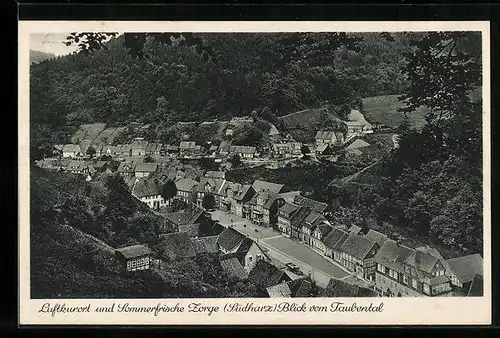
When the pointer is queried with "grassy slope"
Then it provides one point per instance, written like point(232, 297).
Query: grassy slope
point(383, 109)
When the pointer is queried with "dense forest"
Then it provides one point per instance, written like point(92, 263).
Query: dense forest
point(432, 184)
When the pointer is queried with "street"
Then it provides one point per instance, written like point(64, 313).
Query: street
point(284, 250)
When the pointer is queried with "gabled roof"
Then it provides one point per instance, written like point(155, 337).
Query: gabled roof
point(265, 274)
point(290, 195)
point(233, 267)
point(259, 185)
point(185, 217)
point(376, 236)
point(338, 288)
point(134, 251)
point(193, 230)
point(393, 255)
point(299, 216)
point(281, 290)
point(476, 287)
point(301, 288)
point(325, 134)
point(224, 146)
point(215, 184)
point(310, 203)
point(422, 261)
point(187, 145)
point(244, 193)
point(100, 164)
point(186, 184)
point(230, 239)
point(356, 144)
point(357, 246)
point(207, 244)
point(126, 167)
point(335, 238)
point(145, 187)
point(76, 165)
point(355, 229)
point(323, 229)
point(322, 147)
point(71, 148)
point(146, 167)
point(289, 208)
point(466, 267)
point(176, 245)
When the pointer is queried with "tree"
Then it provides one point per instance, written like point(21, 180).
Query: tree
point(208, 201)
point(235, 161)
point(91, 151)
point(169, 190)
point(305, 151)
point(149, 159)
point(208, 163)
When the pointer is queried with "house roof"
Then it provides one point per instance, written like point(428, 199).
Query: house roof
point(466, 267)
point(230, 239)
point(325, 134)
point(310, 203)
point(322, 147)
point(338, 288)
point(300, 287)
point(76, 164)
point(299, 217)
point(187, 145)
point(335, 238)
point(127, 167)
point(215, 174)
point(134, 251)
point(224, 146)
point(358, 143)
point(265, 274)
point(215, 184)
point(154, 147)
point(176, 245)
point(323, 229)
point(185, 217)
point(186, 184)
point(207, 244)
point(71, 148)
point(357, 246)
point(476, 287)
point(243, 192)
point(392, 255)
point(193, 230)
point(242, 149)
point(290, 195)
point(376, 236)
point(146, 167)
point(145, 187)
point(259, 185)
point(233, 267)
point(289, 208)
point(100, 164)
point(279, 290)
point(422, 261)
point(355, 229)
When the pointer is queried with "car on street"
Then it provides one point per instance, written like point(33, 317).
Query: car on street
point(294, 268)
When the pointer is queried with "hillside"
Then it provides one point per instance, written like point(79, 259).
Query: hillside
point(37, 56)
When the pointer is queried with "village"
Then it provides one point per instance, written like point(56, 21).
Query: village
point(278, 239)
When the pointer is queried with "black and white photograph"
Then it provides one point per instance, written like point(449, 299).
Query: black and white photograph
point(238, 165)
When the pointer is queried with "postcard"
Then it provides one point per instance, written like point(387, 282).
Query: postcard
point(251, 173)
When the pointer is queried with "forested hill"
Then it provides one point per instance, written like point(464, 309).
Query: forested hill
point(37, 56)
point(174, 83)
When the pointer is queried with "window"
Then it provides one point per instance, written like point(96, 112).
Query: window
point(393, 274)
point(405, 279)
point(381, 268)
point(414, 283)
point(426, 288)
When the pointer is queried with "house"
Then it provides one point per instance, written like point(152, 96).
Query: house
point(326, 137)
point(341, 289)
point(148, 191)
point(239, 201)
point(127, 168)
point(145, 169)
point(135, 257)
point(402, 271)
point(57, 149)
point(298, 288)
point(319, 234)
point(259, 185)
point(71, 150)
point(235, 244)
point(265, 275)
point(101, 166)
point(77, 167)
point(316, 206)
point(232, 266)
point(357, 254)
point(186, 189)
point(137, 147)
point(187, 148)
point(324, 149)
point(208, 186)
point(49, 164)
point(355, 147)
point(229, 131)
point(287, 149)
point(264, 207)
point(187, 220)
point(357, 123)
point(333, 242)
point(224, 148)
point(464, 270)
point(244, 152)
point(310, 223)
point(154, 149)
point(376, 236)
point(172, 149)
point(205, 244)
point(285, 214)
point(225, 193)
point(124, 150)
point(174, 246)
